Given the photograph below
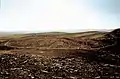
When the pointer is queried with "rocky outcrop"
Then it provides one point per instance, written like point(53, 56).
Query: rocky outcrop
point(115, 33)
point(110, 53)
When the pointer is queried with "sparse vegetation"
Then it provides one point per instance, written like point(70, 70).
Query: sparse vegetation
point(88, 55)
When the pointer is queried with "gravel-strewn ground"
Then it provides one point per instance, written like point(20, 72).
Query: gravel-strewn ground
point(39, 67)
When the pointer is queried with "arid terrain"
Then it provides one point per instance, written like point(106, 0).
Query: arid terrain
point(57, 55)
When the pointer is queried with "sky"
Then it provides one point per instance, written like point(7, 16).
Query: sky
point(58, 15)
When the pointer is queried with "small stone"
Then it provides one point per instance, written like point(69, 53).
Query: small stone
point(44, 71)
point(3, 58)
point(32, 77)
point(73, 78)
point(98, 77)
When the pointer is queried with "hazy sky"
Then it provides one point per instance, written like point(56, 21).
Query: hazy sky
point(57, 15)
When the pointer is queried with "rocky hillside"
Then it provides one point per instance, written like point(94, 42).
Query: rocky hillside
point(103, 63)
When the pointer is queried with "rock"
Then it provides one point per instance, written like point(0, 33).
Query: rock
point(98, 77)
